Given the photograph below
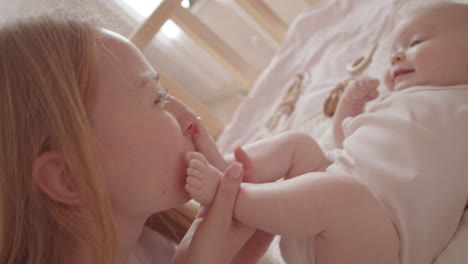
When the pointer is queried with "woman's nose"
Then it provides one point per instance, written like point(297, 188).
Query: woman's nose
point(397, 57)
point(183, 114)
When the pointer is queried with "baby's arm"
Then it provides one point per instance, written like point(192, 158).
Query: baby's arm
point(356, 95)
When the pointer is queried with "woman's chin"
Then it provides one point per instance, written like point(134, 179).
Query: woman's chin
point(185, 197)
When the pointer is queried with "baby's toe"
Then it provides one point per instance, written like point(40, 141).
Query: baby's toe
point(198, 156)
point(194, 172)
point(197, 165)
point(194, 181)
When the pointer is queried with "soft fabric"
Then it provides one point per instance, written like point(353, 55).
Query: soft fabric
point(416, 139)
point(320, 42)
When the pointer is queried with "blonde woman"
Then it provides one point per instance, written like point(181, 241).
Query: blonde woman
point(92, 147)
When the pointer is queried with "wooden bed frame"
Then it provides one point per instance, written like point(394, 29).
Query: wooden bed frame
point(260, 12)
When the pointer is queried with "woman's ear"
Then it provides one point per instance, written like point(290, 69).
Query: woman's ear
point(51, 176)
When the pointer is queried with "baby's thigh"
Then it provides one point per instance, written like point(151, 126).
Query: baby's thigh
point(307, 156)
point(287, 155)
point(353, 246)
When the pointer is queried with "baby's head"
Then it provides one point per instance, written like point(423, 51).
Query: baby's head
point(430, 47)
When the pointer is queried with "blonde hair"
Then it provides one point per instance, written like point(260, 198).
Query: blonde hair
point(48, 77)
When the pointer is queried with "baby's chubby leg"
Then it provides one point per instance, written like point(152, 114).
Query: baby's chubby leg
point(202, 178)
point(346, 220)
point(286, 155)
point(205, 145)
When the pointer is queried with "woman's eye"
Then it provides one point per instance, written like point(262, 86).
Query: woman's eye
point(162, 98)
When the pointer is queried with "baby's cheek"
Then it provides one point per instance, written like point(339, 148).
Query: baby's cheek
point(388, 80)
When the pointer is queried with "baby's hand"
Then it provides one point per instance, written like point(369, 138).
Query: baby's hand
point(361, 90)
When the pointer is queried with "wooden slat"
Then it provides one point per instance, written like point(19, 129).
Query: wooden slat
point(215, 46)
point(265, 17)
point(214, 124)
point(143, 36)
point(146, 32)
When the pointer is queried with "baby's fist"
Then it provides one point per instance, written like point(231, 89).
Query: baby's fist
point(361, 90)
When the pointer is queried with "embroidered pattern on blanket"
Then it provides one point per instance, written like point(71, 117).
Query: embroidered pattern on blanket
point(288, 103)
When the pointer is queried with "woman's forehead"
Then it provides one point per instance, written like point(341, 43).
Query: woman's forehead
point(122, 67)
point(113, 46)
point(118, 57)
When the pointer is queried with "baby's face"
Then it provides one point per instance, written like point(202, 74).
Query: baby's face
point(430, 48)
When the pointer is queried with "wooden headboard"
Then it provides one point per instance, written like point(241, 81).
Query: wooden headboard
point(213, 44)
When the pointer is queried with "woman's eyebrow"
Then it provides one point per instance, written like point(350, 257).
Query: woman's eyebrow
point(149, 76)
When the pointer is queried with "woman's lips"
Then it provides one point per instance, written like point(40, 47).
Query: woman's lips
point(401, 72)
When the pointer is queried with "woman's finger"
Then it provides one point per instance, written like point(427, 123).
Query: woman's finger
point(249, 171)
point(215, 238)
point(221, 211)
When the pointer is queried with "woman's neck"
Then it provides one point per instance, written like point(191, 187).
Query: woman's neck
point(128, 231)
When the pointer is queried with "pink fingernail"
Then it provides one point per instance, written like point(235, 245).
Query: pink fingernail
point(234, 171)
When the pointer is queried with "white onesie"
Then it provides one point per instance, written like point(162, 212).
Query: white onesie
point(411, 150)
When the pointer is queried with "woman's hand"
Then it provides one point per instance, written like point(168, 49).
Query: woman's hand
point(215, 237)
point(256, 246)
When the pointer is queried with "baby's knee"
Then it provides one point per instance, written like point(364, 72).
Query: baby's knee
point(301, 140)
point(298, 138)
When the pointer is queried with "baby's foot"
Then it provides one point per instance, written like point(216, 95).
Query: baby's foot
point(202, 178)
point(206, 146)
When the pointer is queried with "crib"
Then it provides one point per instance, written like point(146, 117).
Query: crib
point(325, 45)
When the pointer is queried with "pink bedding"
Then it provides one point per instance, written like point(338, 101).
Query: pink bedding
point(320, 42)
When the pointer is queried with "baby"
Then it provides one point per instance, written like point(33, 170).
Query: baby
point(395, 190)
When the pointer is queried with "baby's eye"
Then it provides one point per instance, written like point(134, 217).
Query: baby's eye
point(162, 98)
point(415, 42)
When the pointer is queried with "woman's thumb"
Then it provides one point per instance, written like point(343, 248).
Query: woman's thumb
point(223, 204)
point(249, 171)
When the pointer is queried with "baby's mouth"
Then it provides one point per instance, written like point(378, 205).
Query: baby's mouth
point(401, 72)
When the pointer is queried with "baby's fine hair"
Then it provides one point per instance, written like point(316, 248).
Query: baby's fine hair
point(48, 79)
point(407, 8)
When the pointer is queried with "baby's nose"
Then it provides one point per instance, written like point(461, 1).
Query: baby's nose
point(397, 58)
